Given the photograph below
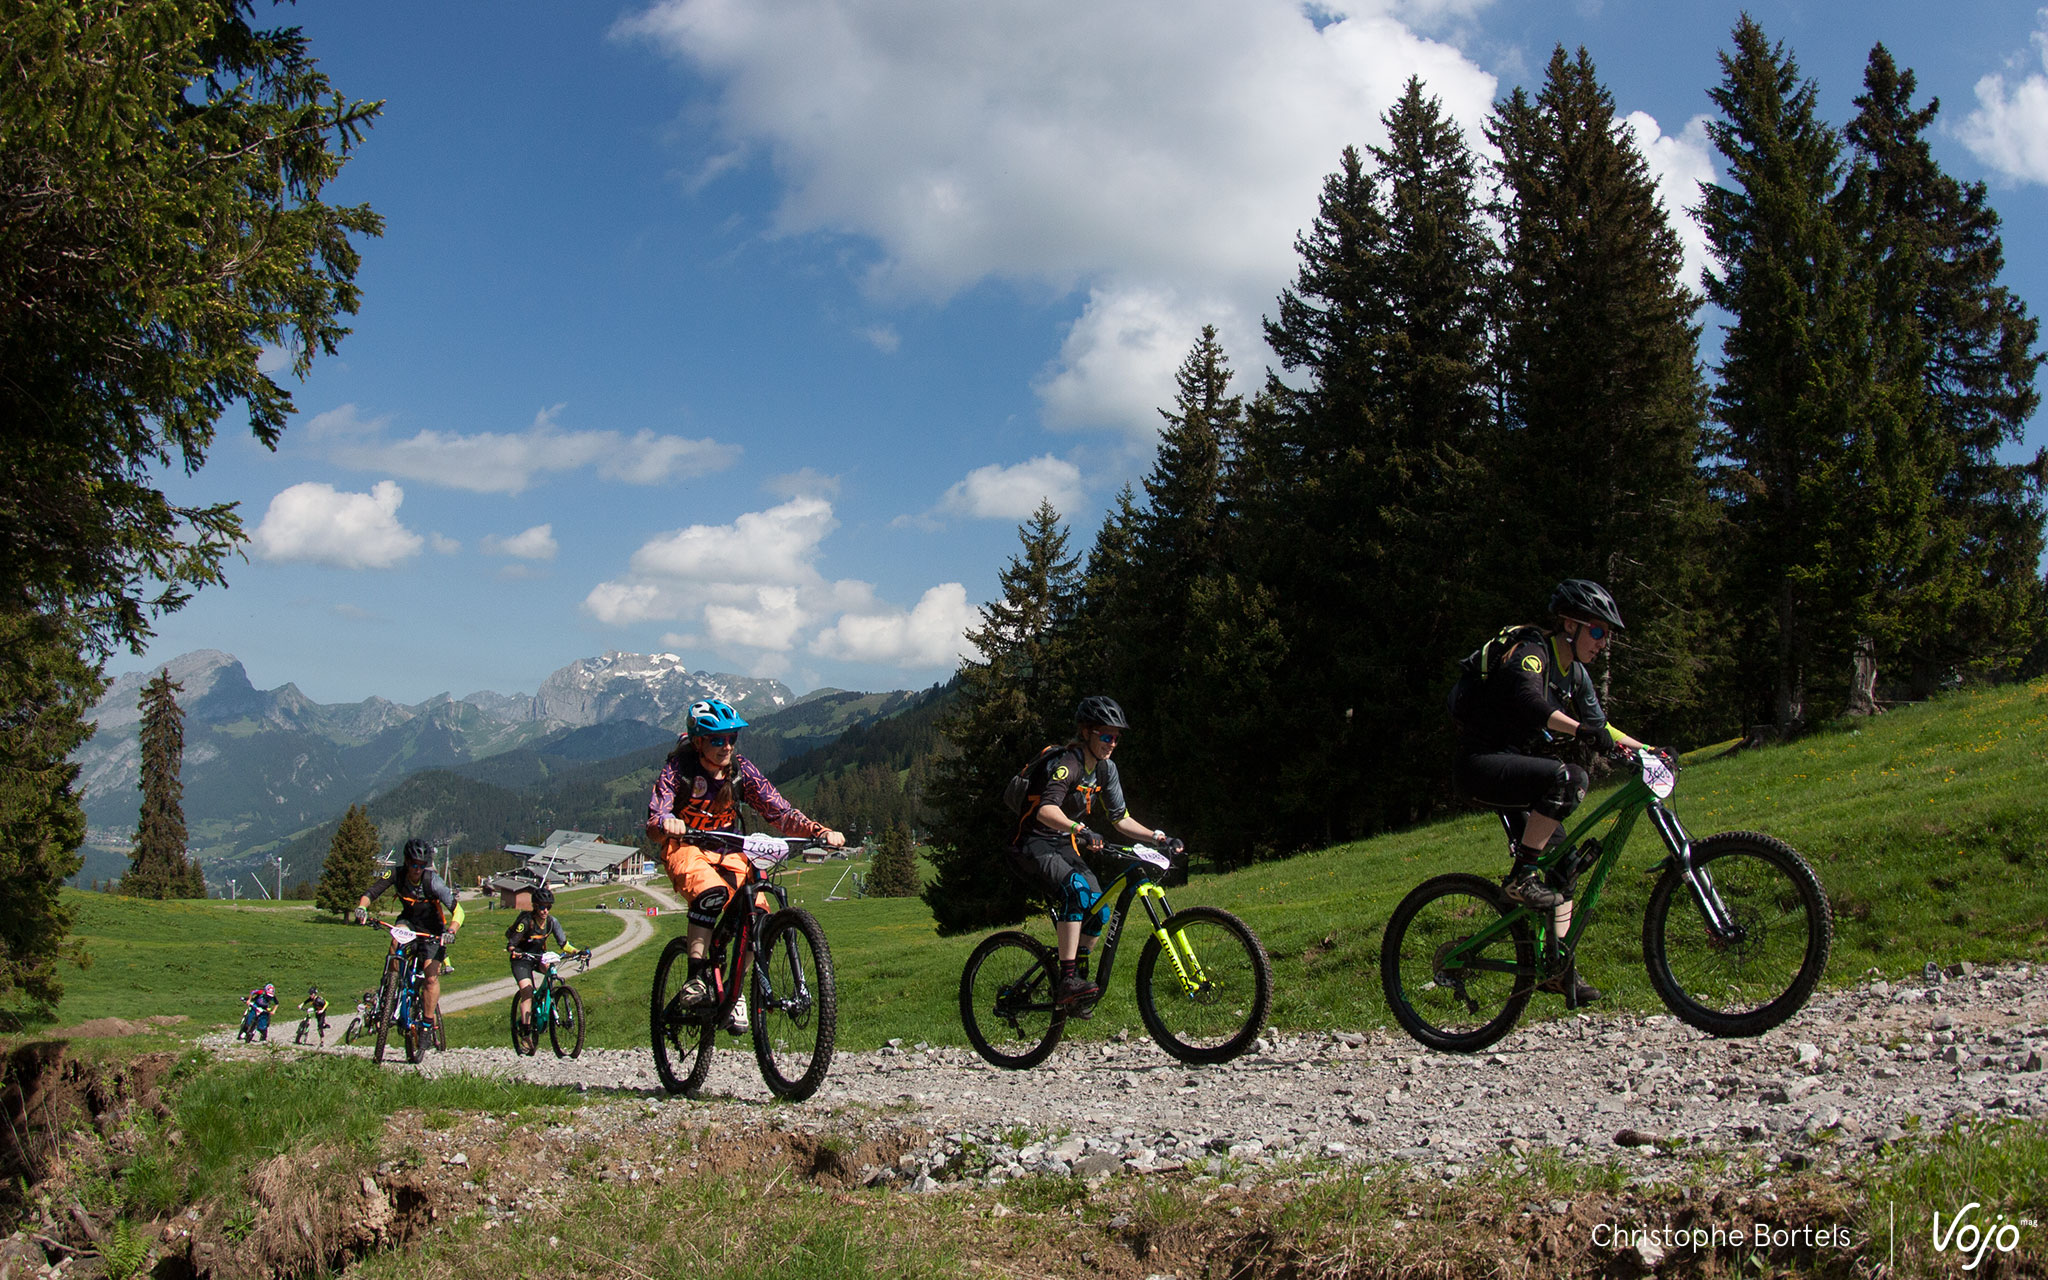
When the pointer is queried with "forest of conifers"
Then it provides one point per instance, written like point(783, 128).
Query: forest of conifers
point(1493, 376)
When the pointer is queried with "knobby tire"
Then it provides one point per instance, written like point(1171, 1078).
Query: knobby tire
point(567, 1039)
point(1453, 1008)
point(793, 1041)
point(1222, 1016)
point(1006, 1001)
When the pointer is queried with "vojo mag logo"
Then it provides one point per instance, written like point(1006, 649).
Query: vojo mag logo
point(1969, 1236)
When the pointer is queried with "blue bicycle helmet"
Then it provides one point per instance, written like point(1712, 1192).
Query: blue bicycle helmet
point(713, 715)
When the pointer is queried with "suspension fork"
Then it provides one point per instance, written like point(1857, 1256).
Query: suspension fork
point(1699, 882)
point(1185, 964)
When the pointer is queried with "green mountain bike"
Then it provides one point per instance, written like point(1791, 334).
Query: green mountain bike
point(1204, 983)
point(1735, 935)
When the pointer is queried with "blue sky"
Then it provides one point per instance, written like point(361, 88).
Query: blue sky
point(750, 329)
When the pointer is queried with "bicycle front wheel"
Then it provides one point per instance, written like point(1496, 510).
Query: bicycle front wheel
point(1443, 988)
point(386, 1011)
point(525, 1037)
point(795, 1007)
point(1006, 1001)
point(1206, 998)
point(348, 1035)
point(1746, 984)
point(676, 1035)
point(565, 1022)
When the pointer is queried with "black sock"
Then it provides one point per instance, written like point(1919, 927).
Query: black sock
point(1081, 965)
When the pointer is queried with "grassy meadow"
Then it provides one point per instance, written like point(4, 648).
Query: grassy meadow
point(1925, 824)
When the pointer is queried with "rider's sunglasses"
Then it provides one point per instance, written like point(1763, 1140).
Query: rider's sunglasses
point(718, 739)
point(1596, 631)
point(1107, 739)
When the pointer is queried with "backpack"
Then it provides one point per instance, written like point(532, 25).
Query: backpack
point(1475, 666)
point(1017, 792)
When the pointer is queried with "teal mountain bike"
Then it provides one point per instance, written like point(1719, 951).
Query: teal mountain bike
point(1735, 935)
point(554, 1005)
point(1204, 983)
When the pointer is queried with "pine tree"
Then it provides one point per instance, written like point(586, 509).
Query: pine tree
point(46, 692)
point(1597, 475)
point(1960, 351)
point(1016, 699)
point(1374, 463)
point(893, 873)
point(158, 864)
point(351, 863)
point(1812, 440)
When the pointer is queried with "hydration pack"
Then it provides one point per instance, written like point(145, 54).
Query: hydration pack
point(1475, 666)
point(1019, 797)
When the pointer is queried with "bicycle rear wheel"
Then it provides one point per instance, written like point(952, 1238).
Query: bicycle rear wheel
point(672, 1027)
point(795, 1006)
point(1206, 1001)
point(1445, 993)
point(565, 1022)
point(387, 1011)
point(1006, 1001)
point(1746, 985)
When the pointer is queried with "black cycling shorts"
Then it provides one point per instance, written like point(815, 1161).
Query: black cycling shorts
point(1511, 780)
point(526, 968)
point(1050, 863)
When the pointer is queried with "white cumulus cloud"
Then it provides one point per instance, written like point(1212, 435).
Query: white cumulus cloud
point(1678, 164)
point(313, 523)
point(752, 591)
point(509, 462)
point(773, 546)
point(996, 492)
point(1162, 154)
point(931, 634)
point(2009, 129)
point(537, 543)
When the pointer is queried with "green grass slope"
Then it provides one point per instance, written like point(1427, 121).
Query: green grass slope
point(1925, 824)
point(199, 958)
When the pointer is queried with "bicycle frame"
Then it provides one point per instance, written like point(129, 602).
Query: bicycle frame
point(406, 1013)
point(1135, 883)
point(1631, 800)
point(740, 927)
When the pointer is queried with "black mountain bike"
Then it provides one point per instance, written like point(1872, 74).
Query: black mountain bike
point(366, 1015)
point(1204, 983)
point(778, 959)
point(403, 1003)
point(555, 1005)
point(1735, 935)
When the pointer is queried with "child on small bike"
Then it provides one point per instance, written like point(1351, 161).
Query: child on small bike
point(1524, 689)
point(699, 789)
point(527, 941)
point(259, 1002)
point(1061, 791)
point(316, 1005)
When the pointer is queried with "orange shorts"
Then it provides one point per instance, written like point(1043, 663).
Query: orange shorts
point(693, 870)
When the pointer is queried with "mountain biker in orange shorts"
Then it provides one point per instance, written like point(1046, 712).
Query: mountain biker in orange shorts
point(699, 788)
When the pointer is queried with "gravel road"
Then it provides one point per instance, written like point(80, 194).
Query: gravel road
point(1856, 1067)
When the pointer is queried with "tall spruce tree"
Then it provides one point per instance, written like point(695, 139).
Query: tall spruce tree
point(1959, 349)
point(1813, 442)
point(1598, 473)
point(351, 863)
point(159, 866)
point(1374, 462)
point(46, 692)
point(1180, 554)
point(1019, 697)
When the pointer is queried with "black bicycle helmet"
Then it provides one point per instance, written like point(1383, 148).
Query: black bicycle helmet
point(1099, 710)
point(418, 852)
point(543, 897)
point(1580, 598)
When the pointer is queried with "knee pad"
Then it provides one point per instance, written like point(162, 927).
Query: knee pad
point(1077, 897)
point(707, 906)
point(1565, 793)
